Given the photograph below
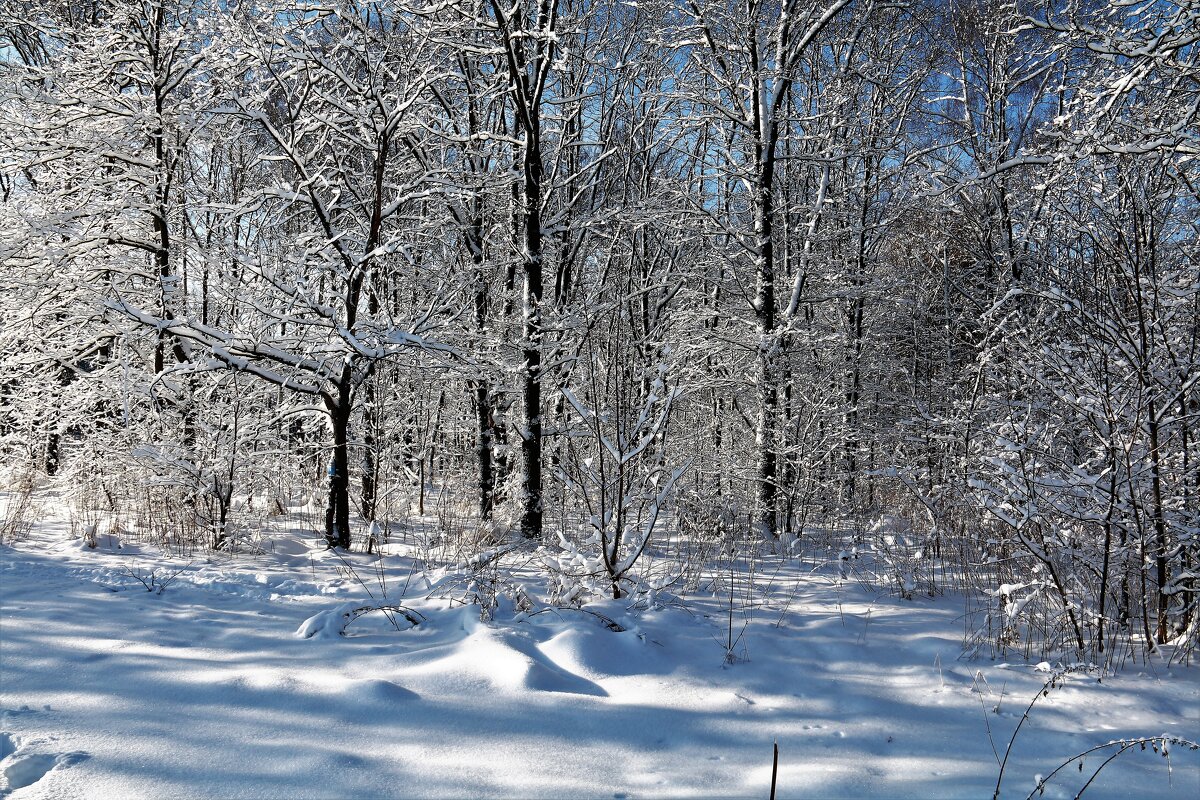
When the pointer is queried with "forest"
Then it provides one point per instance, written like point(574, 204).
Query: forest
point(623, 290)
point(593, 270)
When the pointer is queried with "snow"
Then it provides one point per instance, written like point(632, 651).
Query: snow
point(254, 676)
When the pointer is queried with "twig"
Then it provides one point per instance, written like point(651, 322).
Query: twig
point(1051, 683)
point(1122, 746)
point(609, 622)
point(414, 617)
point(774, 768)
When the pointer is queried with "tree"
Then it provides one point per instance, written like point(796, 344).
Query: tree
point(749, 87)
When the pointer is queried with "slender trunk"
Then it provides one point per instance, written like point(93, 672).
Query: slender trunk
point(853, 390)
point(1124, 603)
point(765, 315)
point(530, 60)
point(370, 461)
point(1108, 531)
point(484, 416)
point(1191, 483)
point(168, 281)
point(337, 513)
point(1162, 600)
point(487, 480)
point(531, 353)
point(855, 327)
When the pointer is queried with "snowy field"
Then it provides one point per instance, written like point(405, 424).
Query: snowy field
point(233, 681)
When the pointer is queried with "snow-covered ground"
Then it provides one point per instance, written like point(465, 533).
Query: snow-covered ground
point(210, 688)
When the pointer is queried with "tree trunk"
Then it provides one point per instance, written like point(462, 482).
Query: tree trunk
point(766, 316)
point(370, 460)
point(337, 514)
point(1161, 574)
point(531, 353)
point(484, 415)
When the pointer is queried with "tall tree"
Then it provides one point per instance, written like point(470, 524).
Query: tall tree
point(528, 39)
point(750, 57)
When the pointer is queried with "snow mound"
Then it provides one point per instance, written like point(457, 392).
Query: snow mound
point(599, 653)
point(330, 623)
point(502, 659)
point(376, 692)
point(541, 672)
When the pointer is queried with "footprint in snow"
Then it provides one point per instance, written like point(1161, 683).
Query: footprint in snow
point(7, 713)
point(8, 745)
point(27, 769)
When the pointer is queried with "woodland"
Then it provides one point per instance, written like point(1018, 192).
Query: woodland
point(912, 288)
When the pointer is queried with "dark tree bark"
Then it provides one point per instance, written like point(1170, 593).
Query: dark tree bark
point(528, 68)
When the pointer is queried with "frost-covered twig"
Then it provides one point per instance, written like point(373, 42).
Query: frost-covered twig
point(1053, 682)
point(152, 582)
point(608, 621)
point(1160, 744)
